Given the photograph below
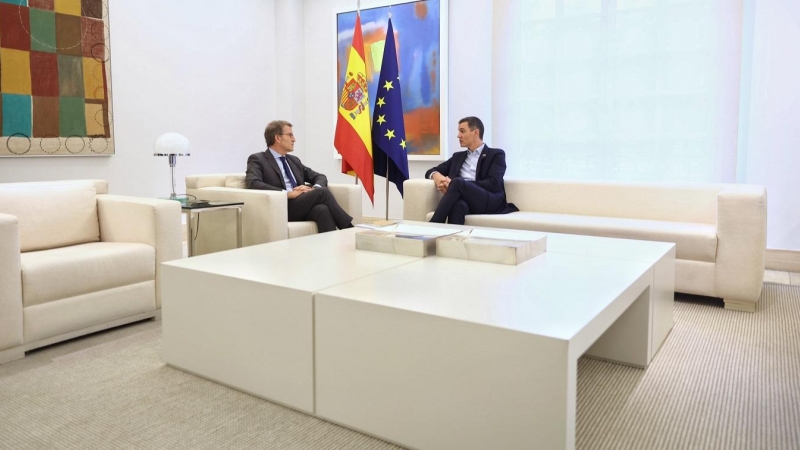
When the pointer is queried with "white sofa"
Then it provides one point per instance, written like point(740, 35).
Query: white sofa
point(264, 214)
point(719, 229)
point(76, 260)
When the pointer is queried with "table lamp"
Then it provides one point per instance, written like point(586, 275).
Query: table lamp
point(172, 145)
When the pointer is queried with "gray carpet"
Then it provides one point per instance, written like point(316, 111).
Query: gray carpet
point(723, 380)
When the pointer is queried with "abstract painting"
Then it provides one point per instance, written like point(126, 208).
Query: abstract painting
point(55, 90)
point(418, 30)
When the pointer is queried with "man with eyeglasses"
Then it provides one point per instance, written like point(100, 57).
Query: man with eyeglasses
point(471, 181)
point(276, 170)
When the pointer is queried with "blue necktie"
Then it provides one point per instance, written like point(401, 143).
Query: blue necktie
point(288, 172)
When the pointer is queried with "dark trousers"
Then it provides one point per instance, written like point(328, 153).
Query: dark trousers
point(464, 197)
point(319, 205)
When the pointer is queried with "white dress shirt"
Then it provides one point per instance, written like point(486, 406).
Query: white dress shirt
point(470, 167)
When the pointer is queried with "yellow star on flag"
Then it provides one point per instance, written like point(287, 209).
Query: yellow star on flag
point(403, 143)
point(388, 85)
point(381, 119)
point(389, 134)
point(380, 102)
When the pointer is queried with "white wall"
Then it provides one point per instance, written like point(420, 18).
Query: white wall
point(470, 54)
point(289, 65)
point(201, 68)
point(771, 143)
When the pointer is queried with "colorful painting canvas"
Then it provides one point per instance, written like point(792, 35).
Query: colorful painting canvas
point(418, 31)
point(55, 90)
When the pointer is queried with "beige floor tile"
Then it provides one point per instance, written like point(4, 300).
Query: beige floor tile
point(794, 277)
point(774, 276)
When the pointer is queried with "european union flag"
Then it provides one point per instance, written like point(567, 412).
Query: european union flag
point(388, 128)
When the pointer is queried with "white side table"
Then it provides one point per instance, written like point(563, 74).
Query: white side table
point(192, 208)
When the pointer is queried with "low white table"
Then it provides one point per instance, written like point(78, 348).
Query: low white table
point(244, 317)
point(446, 353)
point(429, 353)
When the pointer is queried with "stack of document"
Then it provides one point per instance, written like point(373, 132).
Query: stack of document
point(499, 246)
point(401, 239)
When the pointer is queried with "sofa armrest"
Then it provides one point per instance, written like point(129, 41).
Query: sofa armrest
point(265, 214)
point(146, 221)
point(10, 283)
point(348, 196)
point(420, 198)
point(741, 242)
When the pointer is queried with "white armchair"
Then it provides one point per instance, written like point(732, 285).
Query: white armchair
point(264, 214)
point(77, 260)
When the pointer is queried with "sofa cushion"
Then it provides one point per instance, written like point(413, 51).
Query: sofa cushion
point(687, 202)
point(693, 241)
point(52, 214)
point(58, 273)
point(300, 229)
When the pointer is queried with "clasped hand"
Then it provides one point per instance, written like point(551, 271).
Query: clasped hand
point(298, 191)
point(441, 182)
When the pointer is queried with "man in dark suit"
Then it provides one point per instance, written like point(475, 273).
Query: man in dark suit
point(471, 180)
point(308, 196)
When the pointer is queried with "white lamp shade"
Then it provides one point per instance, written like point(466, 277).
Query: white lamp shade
point(172, 144)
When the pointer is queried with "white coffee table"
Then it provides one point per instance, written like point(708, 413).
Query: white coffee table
point(429, 353)
point(446, 353)
point(660, 254)
point(244, 317)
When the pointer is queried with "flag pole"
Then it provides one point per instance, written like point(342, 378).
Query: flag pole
point(387, 156)
point(358, 13)
point(387, 188)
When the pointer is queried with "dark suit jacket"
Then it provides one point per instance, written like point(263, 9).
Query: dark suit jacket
point(263, 172)
point(488, 175)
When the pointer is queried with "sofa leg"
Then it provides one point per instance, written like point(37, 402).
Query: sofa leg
point(11, 354)
point(740, 306)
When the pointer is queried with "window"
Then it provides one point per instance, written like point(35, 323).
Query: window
point(617, 89)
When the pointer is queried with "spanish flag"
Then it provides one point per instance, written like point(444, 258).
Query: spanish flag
point(353, 138)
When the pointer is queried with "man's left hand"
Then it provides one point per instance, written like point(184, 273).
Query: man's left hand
point(443, 184)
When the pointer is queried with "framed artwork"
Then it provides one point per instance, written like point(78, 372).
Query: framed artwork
point(420, 30)
point(55, 87)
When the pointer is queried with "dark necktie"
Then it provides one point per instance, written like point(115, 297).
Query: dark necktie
point(288, 172)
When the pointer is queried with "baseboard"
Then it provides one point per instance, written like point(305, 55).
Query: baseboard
point(783, 260)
